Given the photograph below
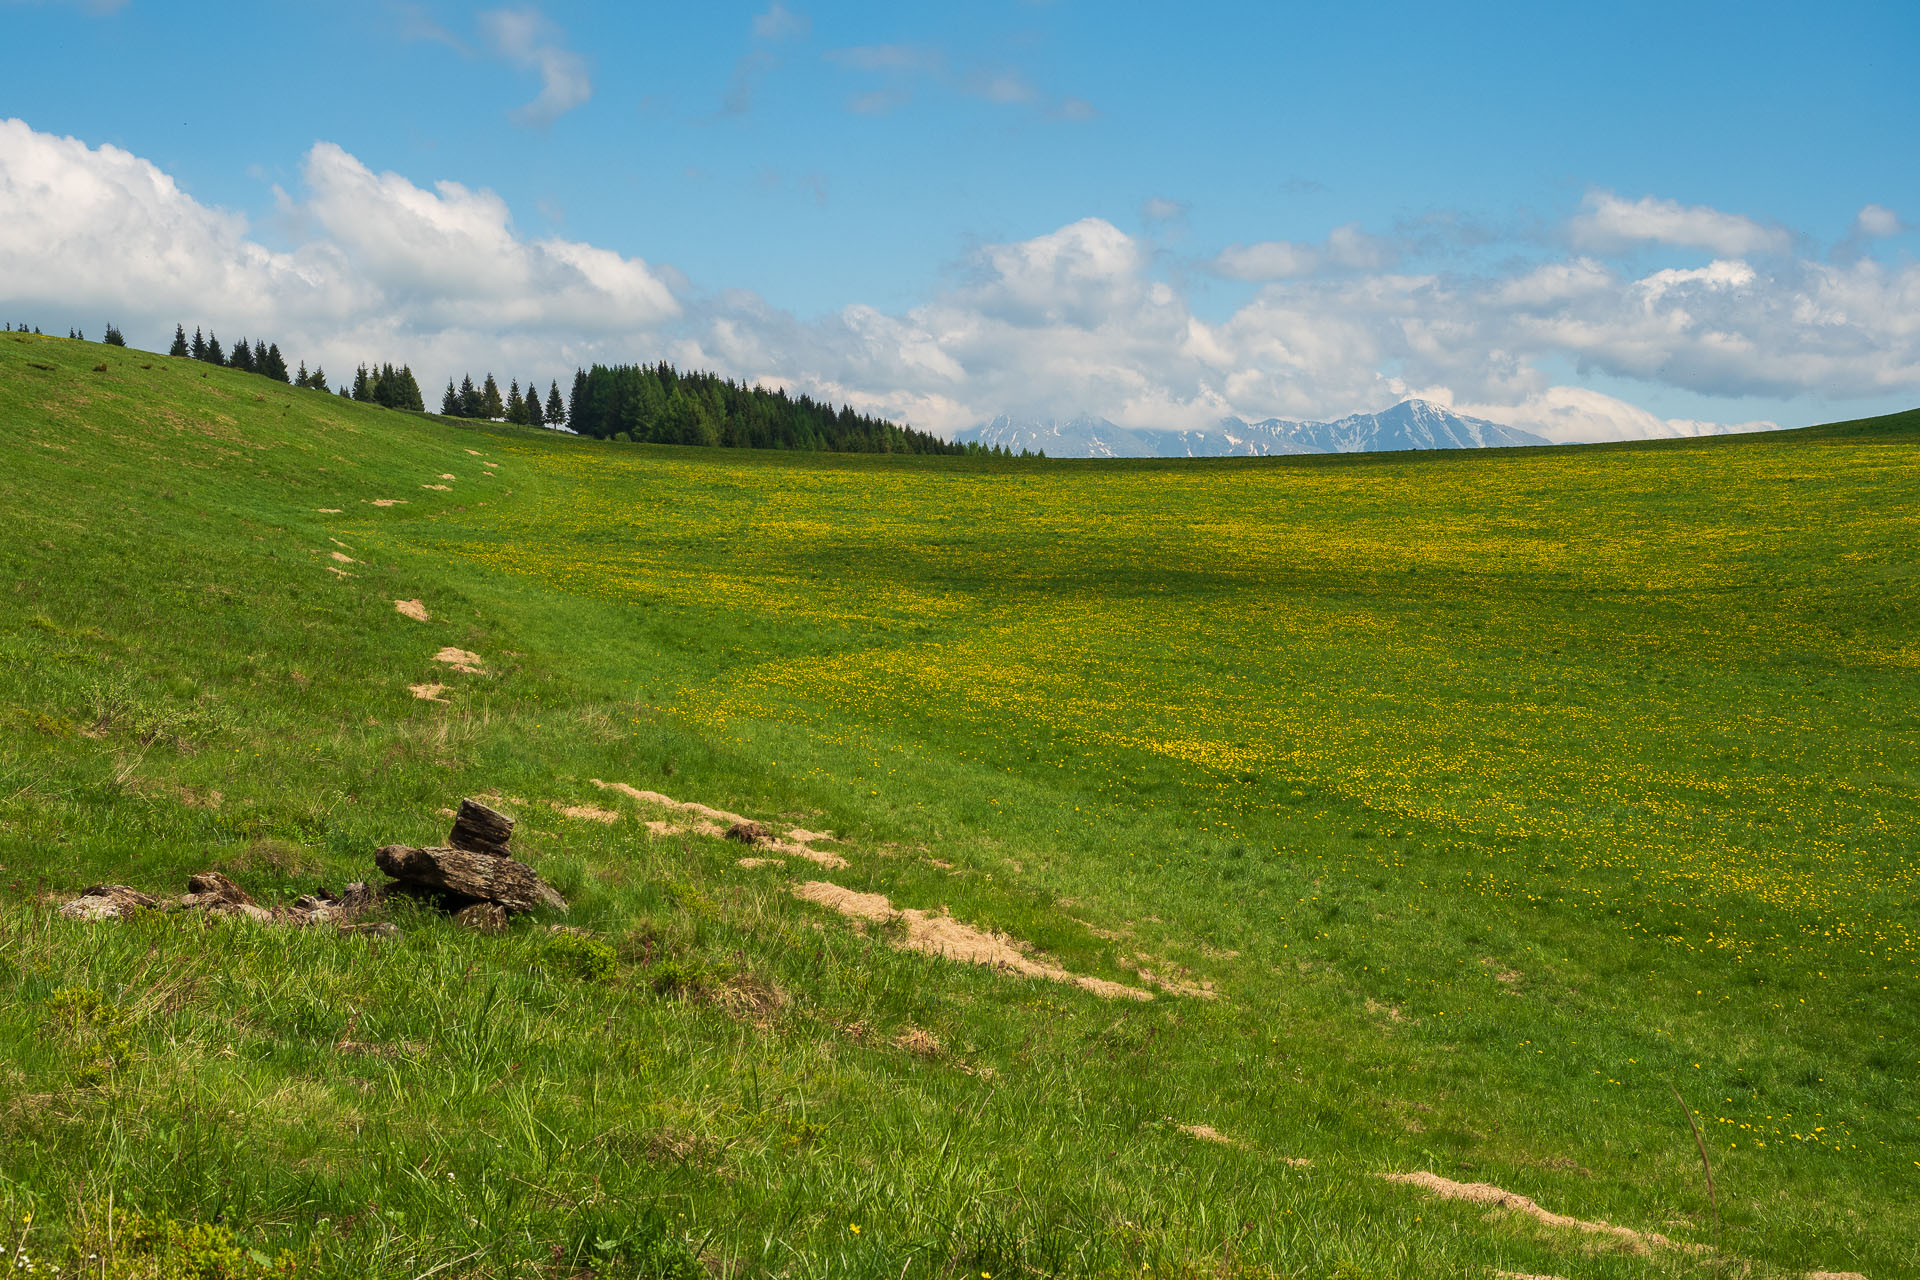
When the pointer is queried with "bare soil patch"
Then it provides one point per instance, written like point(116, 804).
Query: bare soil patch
point(389, 502)
point(343, 557)
point(328, 511)
point(1207, 1133)
point(440, 487)
point(1494, 1197)
point(428, 693)
point(460, 660)
point(587, 812)
point(668, 802)
point(754, 864)
point(942, 935)
point(413, 609)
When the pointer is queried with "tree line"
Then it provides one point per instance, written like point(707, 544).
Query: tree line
point(658, 404)
point(485, 402)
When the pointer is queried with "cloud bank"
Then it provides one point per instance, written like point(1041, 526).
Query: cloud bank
point(1085, 318)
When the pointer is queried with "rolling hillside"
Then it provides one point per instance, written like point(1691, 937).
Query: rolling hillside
point(1351, 830)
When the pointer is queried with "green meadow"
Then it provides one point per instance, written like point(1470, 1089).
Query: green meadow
point(1495, 815)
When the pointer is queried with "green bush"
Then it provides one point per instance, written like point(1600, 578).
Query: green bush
point(587, 959)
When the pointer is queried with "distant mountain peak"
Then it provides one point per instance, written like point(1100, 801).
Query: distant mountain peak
point(1411, 424)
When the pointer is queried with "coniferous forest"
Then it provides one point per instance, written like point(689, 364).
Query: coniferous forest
point(657, 404)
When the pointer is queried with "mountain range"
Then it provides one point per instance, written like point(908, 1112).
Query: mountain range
point(1411, 424)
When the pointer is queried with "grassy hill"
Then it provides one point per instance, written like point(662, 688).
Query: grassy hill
point(1435, 812)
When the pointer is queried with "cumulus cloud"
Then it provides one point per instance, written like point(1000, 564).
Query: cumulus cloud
point(388, 269)
point(525, 38)
point(1611, 222)
point(1345, 247)
point(1082, 318)
point(1876, 221)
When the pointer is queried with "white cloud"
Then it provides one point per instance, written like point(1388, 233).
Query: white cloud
point(1611, 222)
point(1572, 415)
point(1345, 246)
point(1267, 260)
point(387, 270)
point(1876, 220)
point(525, 38)
point(1083, 318)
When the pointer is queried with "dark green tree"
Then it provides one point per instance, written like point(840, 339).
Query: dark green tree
point(556, 412)
point(275, 366)
point(516, 406)
point(362, 385)
point(536, 417)
point(407, 391)
point(114, 337)
point(199, 345)
point(214, 354)
point(491, 406)
point(450, 402)
point(259, 357)
point(317, 379)
point(179, 347)
point(472, 403)
point(242, 357)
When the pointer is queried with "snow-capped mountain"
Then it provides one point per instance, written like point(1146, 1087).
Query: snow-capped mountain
point(1411, 424)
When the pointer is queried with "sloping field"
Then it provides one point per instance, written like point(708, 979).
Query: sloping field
point(1309, 821)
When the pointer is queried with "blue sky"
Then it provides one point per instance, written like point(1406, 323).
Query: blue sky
point(944, 212)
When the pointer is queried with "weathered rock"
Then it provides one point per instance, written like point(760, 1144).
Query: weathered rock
point(749, 833)
point(483, 917)
point(464, 874)
point(479, 829)
point(108, 902)
point(211, 884)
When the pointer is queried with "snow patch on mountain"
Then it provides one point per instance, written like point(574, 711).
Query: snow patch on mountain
point(1411, 424)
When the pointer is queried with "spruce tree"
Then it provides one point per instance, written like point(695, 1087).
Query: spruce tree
point(214, 354)
point(199, 344)
point(300, 378)
point(491, 406)
point(577, 402)
point(535, 418)
point(450, 402)
point(516, 406)
point(556, 412)
point(179, 347)
point(362, 385)
point(471, 401)
point(114, 337)
point(275, 365)
point(242, 358)
point(409, 396)
point(317, 379)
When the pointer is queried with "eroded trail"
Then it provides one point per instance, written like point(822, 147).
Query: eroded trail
point(942, 935)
